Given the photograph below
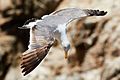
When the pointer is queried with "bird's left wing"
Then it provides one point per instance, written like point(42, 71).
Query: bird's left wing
point(64, 16)
point(40, 42)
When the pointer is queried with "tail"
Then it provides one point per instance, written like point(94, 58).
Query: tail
point(31, 59)
point(95, 12)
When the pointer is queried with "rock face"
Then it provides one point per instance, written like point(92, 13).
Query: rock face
point(95, 52)
point(7, 51)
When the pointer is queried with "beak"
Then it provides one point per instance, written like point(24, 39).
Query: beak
point(66, 49)
point(66, 54)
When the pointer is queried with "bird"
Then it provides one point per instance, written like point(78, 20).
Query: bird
point(44, 32)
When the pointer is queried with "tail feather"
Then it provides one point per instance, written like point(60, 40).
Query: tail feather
point(95, 12)
point(30, 60)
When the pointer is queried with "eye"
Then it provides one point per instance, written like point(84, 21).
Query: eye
point(68, 46)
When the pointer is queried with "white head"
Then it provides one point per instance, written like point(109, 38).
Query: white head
point(64, 40)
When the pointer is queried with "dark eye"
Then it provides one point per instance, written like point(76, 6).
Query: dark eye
point(68, 46)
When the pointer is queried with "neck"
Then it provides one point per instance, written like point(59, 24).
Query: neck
point(64, 39)
point(63, 36)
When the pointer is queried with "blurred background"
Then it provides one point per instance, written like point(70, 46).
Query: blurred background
point(95, 41)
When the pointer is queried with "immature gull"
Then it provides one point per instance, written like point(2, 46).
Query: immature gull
point(44, 31)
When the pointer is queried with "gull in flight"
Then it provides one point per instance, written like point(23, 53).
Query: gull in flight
point(44, 31)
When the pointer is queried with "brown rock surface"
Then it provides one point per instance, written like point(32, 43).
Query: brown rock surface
point(95, 52)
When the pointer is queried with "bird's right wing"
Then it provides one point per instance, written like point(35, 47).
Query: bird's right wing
point(41, 40)
point(31, 59)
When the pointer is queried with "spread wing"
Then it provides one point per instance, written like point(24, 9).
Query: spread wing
point(40, 42)
point(65, 16)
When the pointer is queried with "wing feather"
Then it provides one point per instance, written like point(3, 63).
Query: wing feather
point(79, 12)
point(64, 16)
point(31, 59)
point(37, 49)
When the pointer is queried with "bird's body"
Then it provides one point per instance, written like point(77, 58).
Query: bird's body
point(44, 31)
